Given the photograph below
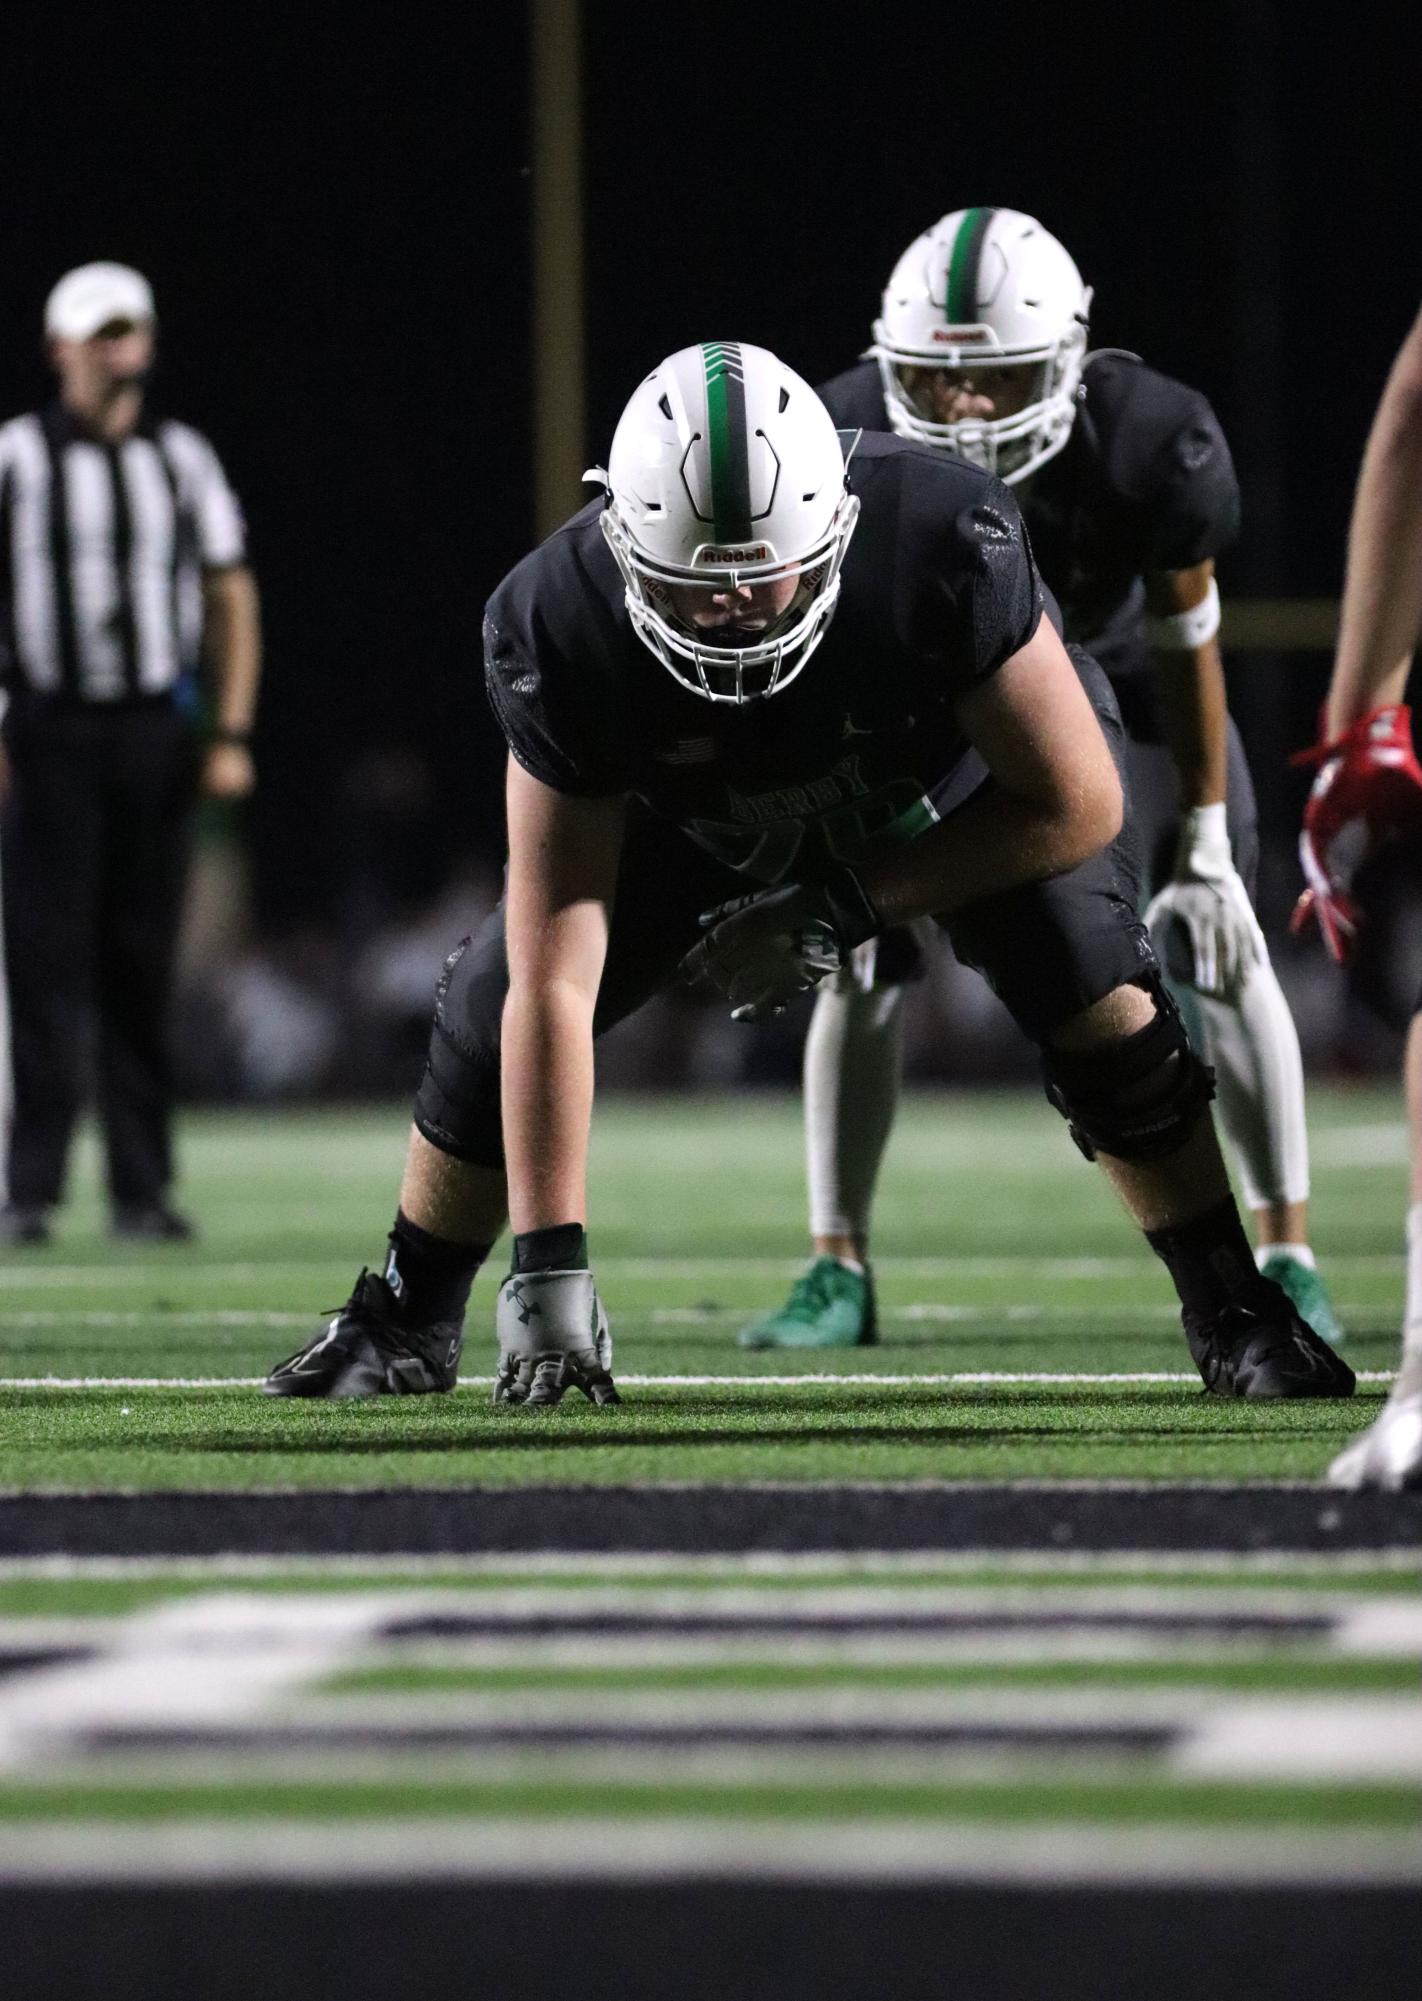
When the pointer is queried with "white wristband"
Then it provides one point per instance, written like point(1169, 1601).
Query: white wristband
point(1185, 630)
point(1204, 836)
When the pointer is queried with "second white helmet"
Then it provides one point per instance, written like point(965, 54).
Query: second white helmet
point(728, 513)
point(985, 289)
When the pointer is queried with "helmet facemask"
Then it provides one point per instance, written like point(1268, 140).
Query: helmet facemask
point(771, 646)
point(1011, 446)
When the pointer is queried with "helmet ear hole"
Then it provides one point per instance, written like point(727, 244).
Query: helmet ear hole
point(784, 398)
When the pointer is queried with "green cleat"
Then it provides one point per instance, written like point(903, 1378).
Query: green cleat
point(1309, 1294)
point(830, 1306)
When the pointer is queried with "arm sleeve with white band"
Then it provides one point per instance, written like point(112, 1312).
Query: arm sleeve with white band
point(1183, 631)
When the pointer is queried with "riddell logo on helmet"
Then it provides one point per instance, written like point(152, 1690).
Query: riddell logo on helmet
point(961, 336)
point(751, 552)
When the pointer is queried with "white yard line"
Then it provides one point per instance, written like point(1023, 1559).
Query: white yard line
point(158, 1319)
point(746, 1380)
point(585, 1849)
point(154, 1320)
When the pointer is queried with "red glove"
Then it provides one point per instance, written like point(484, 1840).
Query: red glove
point(1370, 784)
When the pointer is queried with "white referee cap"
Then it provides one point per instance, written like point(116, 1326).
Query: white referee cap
point(88, 298)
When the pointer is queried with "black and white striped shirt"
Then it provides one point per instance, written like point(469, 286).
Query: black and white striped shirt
point(102, 554)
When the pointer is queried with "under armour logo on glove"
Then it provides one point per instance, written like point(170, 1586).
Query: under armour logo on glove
point(571, 1348)
point(524, 1307)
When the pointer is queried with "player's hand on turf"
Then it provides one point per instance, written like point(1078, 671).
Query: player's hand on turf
point(1369, 786)
point(1206, 907)
point(764, 950)
point(553, 1337)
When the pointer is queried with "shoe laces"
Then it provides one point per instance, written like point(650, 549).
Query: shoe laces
point(814, 1290)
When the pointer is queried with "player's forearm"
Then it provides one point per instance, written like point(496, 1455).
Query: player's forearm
point(997, 842)
point(234, 648)
point(1195, 718)
point(1382, 591)
point(547, 1102)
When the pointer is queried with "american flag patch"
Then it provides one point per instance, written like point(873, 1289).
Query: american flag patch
point(688, 750)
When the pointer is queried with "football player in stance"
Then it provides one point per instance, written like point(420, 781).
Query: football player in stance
point(1369, 789)
point(1126, 485)
point(760, 705)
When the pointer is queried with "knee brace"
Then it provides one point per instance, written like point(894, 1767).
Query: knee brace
point(1137, 1099)
point(457, 1104)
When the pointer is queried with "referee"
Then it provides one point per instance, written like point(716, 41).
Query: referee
point(122, 563)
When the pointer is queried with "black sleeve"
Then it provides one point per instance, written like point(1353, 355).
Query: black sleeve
point(981, 597)
point(855, 399)
point(531, 690)
point(1192, 511)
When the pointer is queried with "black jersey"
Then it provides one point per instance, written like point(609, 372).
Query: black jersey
point(1144, 482)
point(937, 590)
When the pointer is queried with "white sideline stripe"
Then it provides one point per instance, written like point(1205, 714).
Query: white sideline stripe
point(584, 1848)
point(158, 1319)
point(1341, 1564)
point(747, 1380)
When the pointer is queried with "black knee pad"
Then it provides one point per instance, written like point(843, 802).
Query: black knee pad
point(457, 1105)
point(1137, 1099)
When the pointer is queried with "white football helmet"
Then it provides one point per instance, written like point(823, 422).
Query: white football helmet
point(729, 513)
point(985, 290)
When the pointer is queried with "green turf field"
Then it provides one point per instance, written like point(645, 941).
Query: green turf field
point(739, 1713)
point(1000, 1255)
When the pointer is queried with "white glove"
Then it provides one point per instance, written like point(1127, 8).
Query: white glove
point(553, 1336)
point(1389, 1453)
point(1208, 901)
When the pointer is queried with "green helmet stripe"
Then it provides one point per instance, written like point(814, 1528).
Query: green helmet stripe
point(962, 307)
point(726, 437)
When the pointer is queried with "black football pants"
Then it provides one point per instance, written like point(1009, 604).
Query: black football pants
point(97, 840)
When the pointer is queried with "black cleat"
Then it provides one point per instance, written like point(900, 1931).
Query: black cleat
point(1259, 1346)
point(151, 1222)
point(366, 1351)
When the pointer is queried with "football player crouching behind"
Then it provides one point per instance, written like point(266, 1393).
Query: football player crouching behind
point(1126, 485)
point(814, 698)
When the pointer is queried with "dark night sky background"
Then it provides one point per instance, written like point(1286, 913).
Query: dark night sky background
point(333, 206)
